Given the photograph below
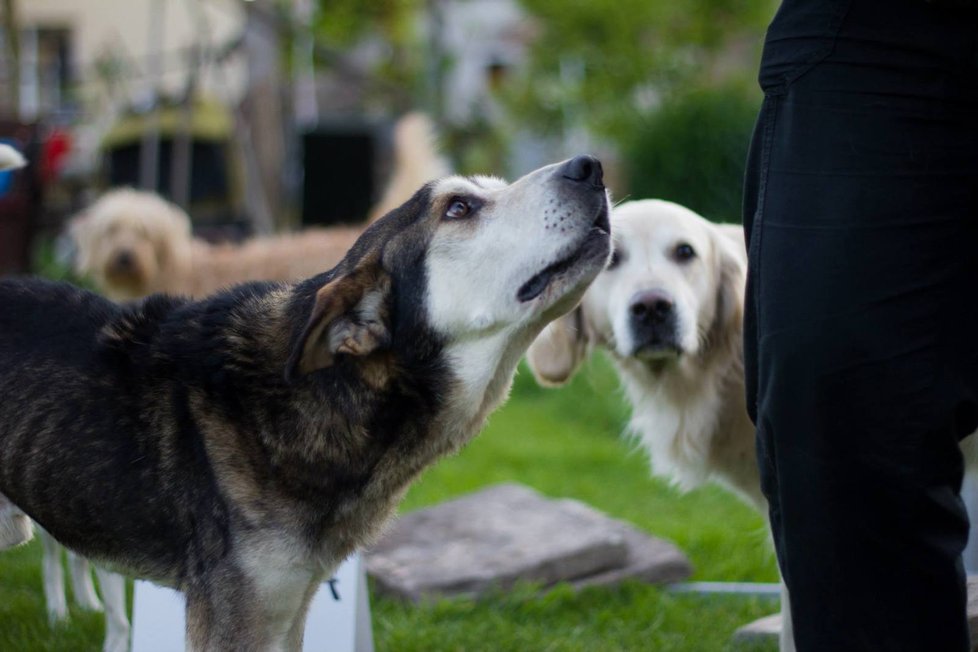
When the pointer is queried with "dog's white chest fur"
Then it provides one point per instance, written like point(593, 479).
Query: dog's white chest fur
point(693, 429)
point(675, 426)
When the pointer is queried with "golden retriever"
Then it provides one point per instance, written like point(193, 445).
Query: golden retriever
point(668, 311)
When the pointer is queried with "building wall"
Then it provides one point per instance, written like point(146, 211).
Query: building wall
point(129, 30)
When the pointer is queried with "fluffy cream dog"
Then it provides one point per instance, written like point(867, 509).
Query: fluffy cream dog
point(133, 243)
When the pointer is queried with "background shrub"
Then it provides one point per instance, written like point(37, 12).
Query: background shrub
point(692, 150)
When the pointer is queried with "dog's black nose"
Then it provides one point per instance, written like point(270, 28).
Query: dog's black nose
point(124, 261)
point(652, 320)
point(584, 169)
point(650, 307)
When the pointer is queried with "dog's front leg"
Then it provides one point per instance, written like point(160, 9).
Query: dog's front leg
point(221, 615)
point(227, 611)
point(297, 630)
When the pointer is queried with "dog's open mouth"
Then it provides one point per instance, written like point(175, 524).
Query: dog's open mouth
point(657, 351)
point(600, 229)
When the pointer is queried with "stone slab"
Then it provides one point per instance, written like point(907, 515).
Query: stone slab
point(649, 559)
point(508, 533)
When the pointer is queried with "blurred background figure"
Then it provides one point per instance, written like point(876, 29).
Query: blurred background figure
point(264, 116)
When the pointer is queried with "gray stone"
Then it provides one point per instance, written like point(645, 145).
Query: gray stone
point(648, 559)
point(494, 538)
point(768, 627)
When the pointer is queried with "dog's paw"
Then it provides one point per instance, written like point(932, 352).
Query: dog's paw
point(57, 612)
point(116, 641)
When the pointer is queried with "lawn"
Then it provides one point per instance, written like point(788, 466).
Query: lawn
point(563, 443)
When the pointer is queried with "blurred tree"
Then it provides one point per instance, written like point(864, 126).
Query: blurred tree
point(693, 150)
point(341, 25)
point(610, 62)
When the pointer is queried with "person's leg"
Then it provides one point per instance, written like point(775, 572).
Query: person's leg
point(862, 208)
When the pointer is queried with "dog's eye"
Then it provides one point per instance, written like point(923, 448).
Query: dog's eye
point(684, 252)
point(616, 259)
point(457, 209)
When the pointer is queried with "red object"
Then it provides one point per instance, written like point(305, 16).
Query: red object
point(54, 153)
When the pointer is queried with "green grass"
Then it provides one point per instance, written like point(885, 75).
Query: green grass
point(562, 443)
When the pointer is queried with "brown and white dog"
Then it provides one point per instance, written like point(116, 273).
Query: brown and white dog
point(131, 244)
point(240, 447)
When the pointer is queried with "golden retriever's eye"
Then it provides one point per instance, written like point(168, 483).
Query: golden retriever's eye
point(616, 259)
point(458, 209)
point(684, 252)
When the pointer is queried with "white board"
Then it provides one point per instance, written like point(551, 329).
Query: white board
point(338, 621)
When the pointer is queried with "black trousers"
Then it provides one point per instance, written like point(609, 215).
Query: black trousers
point(861, 331)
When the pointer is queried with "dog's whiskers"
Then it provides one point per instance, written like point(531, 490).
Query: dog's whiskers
point(621, 201)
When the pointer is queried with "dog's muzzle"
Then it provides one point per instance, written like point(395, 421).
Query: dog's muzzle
point(582, 176)
point(653, 324)
point(123, 262)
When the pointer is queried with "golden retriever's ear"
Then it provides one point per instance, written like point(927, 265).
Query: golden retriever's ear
point(731, 277)
point(349, 316)
point(559, 350)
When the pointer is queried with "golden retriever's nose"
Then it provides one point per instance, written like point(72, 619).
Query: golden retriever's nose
point(652, 322)
point(650, 307)
point(584, 169)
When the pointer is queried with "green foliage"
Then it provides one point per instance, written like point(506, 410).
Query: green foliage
point(611, 60)
point(342, 22)
point(633, 617)
point(23, 621)
point(396, 78)
point(693, 151)
point(46, 262)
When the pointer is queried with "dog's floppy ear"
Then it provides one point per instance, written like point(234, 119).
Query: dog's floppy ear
point(349, 316)
point(731, 277)
point(559, 350)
